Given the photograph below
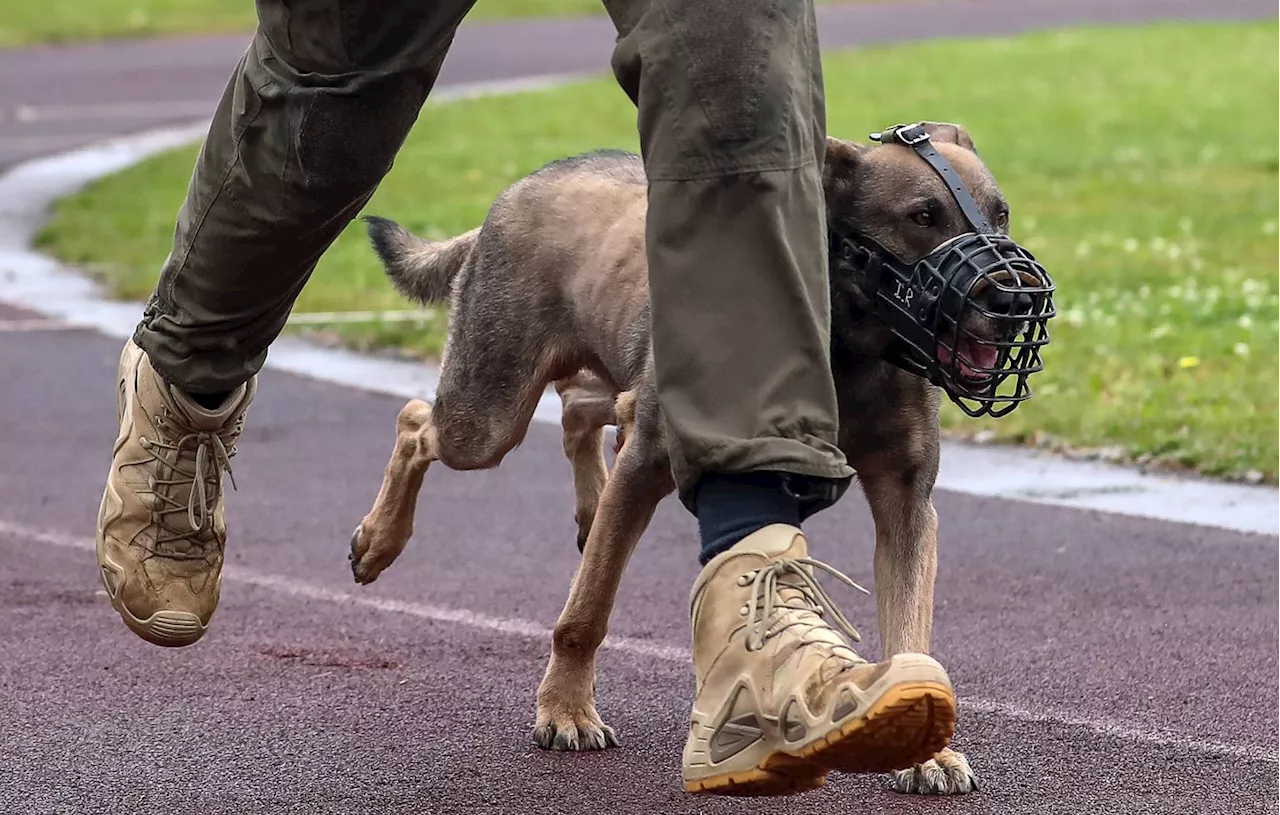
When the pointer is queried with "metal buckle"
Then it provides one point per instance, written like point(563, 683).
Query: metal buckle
point(909, 135)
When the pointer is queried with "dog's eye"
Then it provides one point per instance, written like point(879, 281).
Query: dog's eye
point(922, 217)
point(1002, 219)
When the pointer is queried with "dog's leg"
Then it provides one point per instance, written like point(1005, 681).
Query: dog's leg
point(382, 535)
point(566, 717)
point(587, 406)
point(906, 563)
point(472, 426)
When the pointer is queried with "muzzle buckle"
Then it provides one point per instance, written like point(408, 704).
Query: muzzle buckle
point(909, 135)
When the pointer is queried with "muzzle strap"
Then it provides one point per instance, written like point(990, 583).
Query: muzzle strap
point(917, 138)
point(971, 316)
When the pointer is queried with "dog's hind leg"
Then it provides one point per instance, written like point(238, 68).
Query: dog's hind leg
point(382, 535)
point(473, 424)
point(906, 564)
point(566, 717)
point(587, 406)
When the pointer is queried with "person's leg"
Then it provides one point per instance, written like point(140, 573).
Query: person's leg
point(308, 125)
point(732, 129)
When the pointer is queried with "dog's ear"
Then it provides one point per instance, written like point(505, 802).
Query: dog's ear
point(837, 170)
point(841, 155)
point(948, 132)
point(839, 167)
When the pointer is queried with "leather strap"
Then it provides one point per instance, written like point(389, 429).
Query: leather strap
point(917, 138)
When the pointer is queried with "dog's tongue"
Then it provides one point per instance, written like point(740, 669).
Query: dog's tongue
point(972, 354)
point(980, 354)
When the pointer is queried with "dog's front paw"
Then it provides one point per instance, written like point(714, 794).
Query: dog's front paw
point(577, 730)
point(947, 773)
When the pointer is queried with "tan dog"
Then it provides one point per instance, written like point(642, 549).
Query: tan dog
point(552, 289)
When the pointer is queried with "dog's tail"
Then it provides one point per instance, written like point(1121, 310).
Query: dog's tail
point(421, 270)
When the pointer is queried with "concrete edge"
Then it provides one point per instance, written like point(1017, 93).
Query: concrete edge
point(37, 282)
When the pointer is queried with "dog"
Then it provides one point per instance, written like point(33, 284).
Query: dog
point(551, 290)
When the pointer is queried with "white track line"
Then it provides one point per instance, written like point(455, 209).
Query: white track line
point(526, 629)
point(7, 326)
point(106, 111)
point(51, 142)
point(200, 108)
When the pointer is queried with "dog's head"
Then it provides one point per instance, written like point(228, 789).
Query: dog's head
point(919, 244)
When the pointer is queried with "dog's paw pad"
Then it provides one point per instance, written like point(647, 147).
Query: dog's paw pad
point(947, 773)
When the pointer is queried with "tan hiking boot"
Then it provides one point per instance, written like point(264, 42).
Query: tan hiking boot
point(782, 697)
point(161, 529)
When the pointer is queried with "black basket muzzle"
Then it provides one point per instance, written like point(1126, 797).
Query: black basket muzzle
point(972, 315)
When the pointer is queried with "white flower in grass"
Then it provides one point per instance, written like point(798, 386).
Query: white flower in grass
point(1241, 349)
point(1252, 287)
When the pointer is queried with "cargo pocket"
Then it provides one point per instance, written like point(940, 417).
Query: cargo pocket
point(738, 61)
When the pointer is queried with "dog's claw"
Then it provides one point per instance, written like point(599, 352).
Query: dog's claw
point(575, 737)
point(354, 555)
point(947, 773)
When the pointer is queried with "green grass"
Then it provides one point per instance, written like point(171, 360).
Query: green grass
point(1141, 164)
point(25, 22)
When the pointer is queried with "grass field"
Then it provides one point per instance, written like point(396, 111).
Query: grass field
point(1141, 164)
point(25, 22)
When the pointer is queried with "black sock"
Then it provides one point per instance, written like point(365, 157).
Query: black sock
point(209, 401)
point(731, 507)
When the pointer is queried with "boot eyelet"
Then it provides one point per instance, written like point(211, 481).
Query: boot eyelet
point(744, 611)
point(744, 580)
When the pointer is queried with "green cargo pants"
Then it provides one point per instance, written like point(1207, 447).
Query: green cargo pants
point(732, 126)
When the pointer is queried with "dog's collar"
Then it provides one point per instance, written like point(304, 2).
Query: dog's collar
point(917, 138)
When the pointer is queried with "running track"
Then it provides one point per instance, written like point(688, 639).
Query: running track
point(1105, 664)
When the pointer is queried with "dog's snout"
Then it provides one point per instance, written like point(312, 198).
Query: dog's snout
point(1007, 302)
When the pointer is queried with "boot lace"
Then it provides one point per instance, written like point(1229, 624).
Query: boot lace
point(767, 607)
point(195, 463)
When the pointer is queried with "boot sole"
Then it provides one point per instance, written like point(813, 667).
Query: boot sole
point(908, 725)
point(169, 629)
point(779, 774)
